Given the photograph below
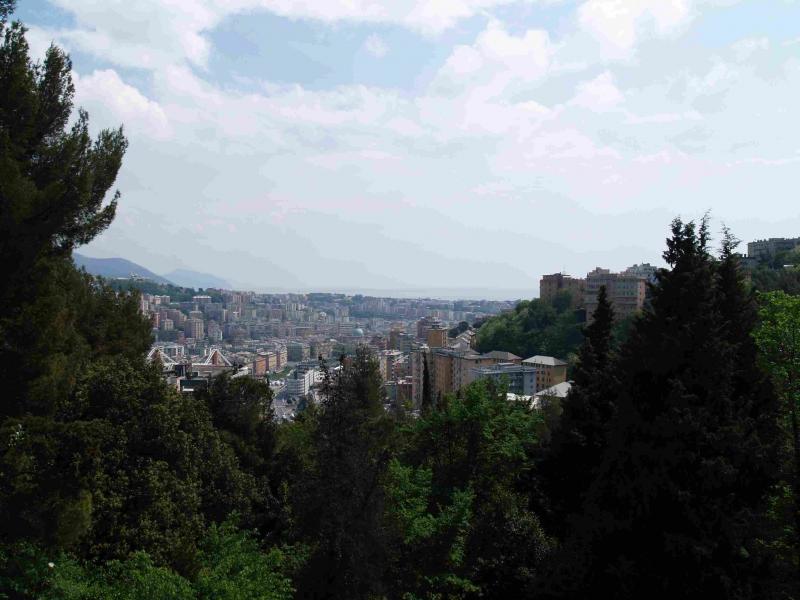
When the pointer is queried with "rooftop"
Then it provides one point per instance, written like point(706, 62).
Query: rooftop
point(501, 355)
point(560, 390)
point(549, 361)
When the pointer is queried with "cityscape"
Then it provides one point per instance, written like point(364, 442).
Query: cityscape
point(399, 300)
point(285, 338)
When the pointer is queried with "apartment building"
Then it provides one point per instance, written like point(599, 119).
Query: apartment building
point(551, 285)
point(550, 371)
point(626, 291)
point(520, 379)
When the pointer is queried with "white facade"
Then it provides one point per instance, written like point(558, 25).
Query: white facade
point(300, 383)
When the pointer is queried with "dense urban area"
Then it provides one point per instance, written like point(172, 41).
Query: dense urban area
point(285, 338)
point(628, 434)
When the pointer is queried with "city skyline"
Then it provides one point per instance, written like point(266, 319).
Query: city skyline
point(476, 144)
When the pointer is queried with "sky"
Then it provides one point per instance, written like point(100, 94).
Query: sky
point(430, 145)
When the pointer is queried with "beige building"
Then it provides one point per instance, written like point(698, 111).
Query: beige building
point(193, 328)
point(450, 369)
point(386, 362)
point(550, 285)
point(437, 337)
point(626, 291)
point(550, 371)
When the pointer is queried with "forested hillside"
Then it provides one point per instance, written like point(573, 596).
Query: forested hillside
point(672, 472)
point(540, 327)
point(534, 327)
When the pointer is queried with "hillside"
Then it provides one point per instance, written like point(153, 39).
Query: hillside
point(115, 267)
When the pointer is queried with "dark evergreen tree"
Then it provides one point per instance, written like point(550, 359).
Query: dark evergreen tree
point(427, 392)
point(97, 454)
point(579, 442)
point(340, 505)
point(242, 413)
point(53, 183)
point(674, 509)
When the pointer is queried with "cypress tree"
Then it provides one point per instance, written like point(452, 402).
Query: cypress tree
point(579, 441)
point(427, 394)
point(690, 458)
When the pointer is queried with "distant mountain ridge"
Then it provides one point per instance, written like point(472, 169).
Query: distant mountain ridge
point(115, 268)
point(123, 268)
point(195, 279)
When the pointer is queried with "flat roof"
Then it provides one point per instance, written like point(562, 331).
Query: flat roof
point(545, 360)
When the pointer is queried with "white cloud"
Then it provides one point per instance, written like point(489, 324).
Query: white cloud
point(145, 33)
point(497, 63)
point(421, 15)
point(375, 45)
point(599, 94)
point(151, 33)
point(111, 102)
point(620, 23)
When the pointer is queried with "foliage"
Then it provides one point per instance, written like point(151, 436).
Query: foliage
point(533, 327)
point(457, 501)
point(778, 339)
point(579, 439)
point(175, 293)
point(768, 279)
point(458, 329)
point(692, 451)
point(235, 568)
point(339, 500)
point(146, 469)
point(242, 414)
point(232, 567)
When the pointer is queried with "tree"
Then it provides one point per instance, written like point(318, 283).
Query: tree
point(232, 566)
point(458, 512)
point(533, 327)
point(242, 414)
point(340, 501)
point(580, 438)
point(427, 391)
point(691, 455)
point(778, 339)
point(242, 408)
point(129, 465)
point(458, 329)
point(53, 184)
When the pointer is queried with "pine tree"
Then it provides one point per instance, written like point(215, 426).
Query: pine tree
point(690, 459)
point(98, 454)
point(53, 185)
